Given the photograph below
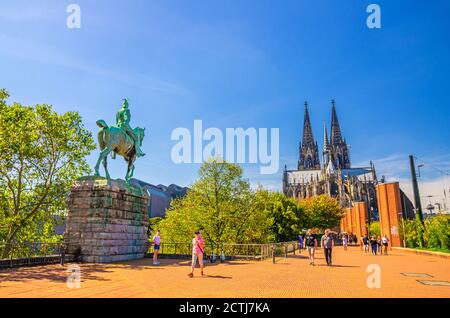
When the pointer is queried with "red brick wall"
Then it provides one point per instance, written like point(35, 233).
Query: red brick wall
point(349, 220)
point(389, 208)
point(360, 212)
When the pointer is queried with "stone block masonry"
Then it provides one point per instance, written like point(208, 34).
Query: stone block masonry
point(107, 220)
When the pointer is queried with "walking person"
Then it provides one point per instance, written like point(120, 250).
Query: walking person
point(345, 241)
point(198, 248)
point(385, 242)
point(327, 245)
point(311, 245)
point(365, 242)
point(156, 246)
point(379, 245)
point(373, 244)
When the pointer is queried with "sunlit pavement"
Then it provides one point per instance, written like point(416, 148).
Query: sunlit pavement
point(291, 277)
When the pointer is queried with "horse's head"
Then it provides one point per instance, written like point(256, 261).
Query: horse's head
point(141, 133)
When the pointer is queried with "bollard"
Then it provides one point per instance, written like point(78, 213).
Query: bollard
point(273, 253)
point(63, 254)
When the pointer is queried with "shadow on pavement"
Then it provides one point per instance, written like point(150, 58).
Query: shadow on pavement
point(56, 273)
point(218, 276)
point(350, 266)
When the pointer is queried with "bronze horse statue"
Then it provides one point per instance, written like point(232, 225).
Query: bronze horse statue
point(116, 140)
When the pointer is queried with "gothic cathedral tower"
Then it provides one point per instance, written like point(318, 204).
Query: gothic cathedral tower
point(338, 149)
point(308, 150)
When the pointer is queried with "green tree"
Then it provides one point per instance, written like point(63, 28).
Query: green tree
point(433, 233)
point(321, 211)
point(375, 228)
point(284, 217)
point(437, 232)
point(41, 154)
point(420, 229)
point(220, 203)
point(153, 226)
point(408, 233)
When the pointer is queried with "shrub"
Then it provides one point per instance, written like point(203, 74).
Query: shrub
point(434, 233)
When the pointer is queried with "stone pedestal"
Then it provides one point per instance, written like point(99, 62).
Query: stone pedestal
point(107, 221)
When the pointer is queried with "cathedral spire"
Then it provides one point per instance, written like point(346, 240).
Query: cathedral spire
point(339, 153)
point(326, 144)
point(308, 138)
point(309, 154)
point(336, 136)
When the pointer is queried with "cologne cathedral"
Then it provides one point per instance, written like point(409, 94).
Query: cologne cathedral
point(333, 176)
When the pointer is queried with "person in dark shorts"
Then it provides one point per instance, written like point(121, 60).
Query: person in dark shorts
point(373, 245)
point(365, 242)
point(156, 245)
point(311, 245)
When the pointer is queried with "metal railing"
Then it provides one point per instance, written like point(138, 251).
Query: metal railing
point(42, 253)
point(31, 253)
point(224, 252)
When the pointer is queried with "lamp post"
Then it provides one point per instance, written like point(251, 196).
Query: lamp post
point(369, 209)
point(417, 202)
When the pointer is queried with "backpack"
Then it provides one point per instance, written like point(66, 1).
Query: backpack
point(310, 241)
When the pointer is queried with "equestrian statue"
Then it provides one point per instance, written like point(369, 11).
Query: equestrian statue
point(120, 139)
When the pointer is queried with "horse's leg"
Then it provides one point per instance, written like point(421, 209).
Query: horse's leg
point(132, 166)
point(132, 170)
point(105, 165)
point(106, 152)
point(127, 176)
point(97, 165)
point(102, 156)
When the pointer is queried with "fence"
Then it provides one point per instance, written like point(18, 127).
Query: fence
point(31, 253)
point(41, 253)
point(228, 251)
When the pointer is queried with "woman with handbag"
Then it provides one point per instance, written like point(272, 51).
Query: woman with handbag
point(198, 247)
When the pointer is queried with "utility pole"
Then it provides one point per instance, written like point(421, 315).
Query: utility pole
point(417, 202)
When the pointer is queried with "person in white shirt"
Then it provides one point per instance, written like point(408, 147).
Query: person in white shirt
point(385, 243)
point(156, 244)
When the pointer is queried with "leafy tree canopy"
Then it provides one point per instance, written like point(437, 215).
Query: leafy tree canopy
point(41, 154)
point(322, 211)
point(223, 205)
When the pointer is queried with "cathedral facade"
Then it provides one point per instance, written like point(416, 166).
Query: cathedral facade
point(333, 175)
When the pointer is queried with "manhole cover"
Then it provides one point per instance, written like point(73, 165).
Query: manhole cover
point(434, 282)
point(416, 275)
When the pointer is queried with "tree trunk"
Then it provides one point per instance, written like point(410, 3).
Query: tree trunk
point(8, 243)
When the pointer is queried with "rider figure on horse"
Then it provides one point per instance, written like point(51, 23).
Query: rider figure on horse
point(123, 122)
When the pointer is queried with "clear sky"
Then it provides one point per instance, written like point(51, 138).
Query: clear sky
point(243, 64)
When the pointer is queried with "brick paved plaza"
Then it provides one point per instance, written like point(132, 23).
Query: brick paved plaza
point(291, 277)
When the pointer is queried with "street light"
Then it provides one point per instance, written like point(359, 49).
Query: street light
point(369, 206)
point(418, 170)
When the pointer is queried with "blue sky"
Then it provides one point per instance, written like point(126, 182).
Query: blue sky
point(242, 64)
